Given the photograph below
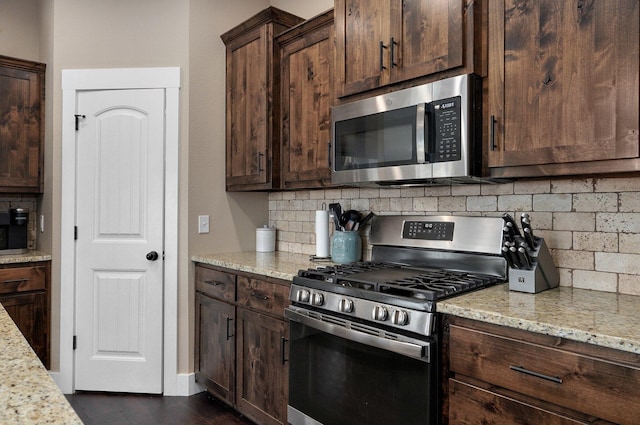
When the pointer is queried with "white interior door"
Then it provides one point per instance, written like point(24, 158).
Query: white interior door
point(119, 220)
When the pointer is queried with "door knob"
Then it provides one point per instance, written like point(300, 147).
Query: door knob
point(152, 256)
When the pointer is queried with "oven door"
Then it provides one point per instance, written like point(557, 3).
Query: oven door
point(344, 373)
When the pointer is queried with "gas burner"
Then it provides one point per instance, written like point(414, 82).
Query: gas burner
point(436, 284)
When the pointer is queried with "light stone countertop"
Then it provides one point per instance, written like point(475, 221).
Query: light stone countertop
point(27, 257)
point(600, 318)
point(28, 395)
point(595, 317)
point(277, 264)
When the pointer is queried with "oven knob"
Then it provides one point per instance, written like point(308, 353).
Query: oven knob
point(345, 305)
point(317, 299)
point(379, 313)
point(303, 296)
point(399, 317)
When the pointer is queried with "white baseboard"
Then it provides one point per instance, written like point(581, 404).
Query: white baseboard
point(186, 385)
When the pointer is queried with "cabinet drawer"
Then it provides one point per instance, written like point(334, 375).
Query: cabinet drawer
point(476, 405)
point(216, 283)
point(263, 295)
point(22, 279)
point(594, 386)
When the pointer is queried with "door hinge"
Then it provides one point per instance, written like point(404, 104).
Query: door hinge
point(75, 233)
point(75, 342)
point(78, 116)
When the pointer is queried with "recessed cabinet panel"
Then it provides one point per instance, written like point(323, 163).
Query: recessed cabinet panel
point(21, 125)
point(563, 87)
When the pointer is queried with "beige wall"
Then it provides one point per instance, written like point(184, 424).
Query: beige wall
point(20, 29)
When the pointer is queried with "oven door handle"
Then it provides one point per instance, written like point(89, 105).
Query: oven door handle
point(408, 349)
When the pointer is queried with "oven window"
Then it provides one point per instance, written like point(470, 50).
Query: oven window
point(378, 140)
point(339, 382)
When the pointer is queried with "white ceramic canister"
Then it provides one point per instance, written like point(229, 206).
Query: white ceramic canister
point(265, 239)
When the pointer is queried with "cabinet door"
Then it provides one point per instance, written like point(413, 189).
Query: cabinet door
point(21, 125)
point(248, 113)
point(262, 388)
point(563, 86)
point(361, 27)
point(426, 37)
point(306, 105)
point(29, 311)
point(215, 346)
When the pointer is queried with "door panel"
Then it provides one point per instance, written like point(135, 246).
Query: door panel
point(119, 217)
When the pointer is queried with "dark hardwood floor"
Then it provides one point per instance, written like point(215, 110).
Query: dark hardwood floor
point(133, 409)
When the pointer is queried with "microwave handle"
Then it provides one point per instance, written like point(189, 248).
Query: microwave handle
point(422, 123)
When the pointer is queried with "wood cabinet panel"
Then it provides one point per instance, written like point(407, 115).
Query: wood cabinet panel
point(21, 279)
point(21, 125)
point(602, 387)
point(307, 96)
point(24, 293)
point(215, 347)
point(216, 283)
point(262, 387)
point(263, 295)
point(563, 87)
point(253, 101)
point(384, 42)
point(476, 405)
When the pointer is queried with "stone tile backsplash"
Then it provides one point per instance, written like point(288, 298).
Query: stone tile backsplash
point(591, 225)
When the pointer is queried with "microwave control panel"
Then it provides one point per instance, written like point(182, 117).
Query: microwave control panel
point(446, 116)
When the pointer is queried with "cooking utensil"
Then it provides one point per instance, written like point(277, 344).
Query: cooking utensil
point(511, 224)
point(350, 218)
point(336, 212)
point(525, 221)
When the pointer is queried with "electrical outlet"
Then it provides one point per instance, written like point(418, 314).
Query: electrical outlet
point(203, 224)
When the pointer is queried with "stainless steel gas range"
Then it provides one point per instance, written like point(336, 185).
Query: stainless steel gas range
point(365, 345)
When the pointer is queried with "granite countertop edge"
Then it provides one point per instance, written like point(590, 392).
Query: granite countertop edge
point(27, 392)
point(27, 257)
point(593, 317)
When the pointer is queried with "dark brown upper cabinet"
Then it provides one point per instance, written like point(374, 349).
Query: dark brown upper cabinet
point(382, 42)
point(253, 101)
point(307, 53)
point(21, 125)
point(563, 87)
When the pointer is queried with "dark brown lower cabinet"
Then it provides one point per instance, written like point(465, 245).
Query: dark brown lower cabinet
point(502, 376)
point(24, 295)
point(262, 372)
point(215, 342)
point(242, 341)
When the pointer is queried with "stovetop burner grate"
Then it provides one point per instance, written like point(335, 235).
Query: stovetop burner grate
point(396, 280)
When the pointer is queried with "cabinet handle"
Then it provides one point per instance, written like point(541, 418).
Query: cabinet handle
point(213, 282)
point(284, 342)
point(329, 156)
point(229, 334)
point(382, 47)
point(521, 369)
point(393, 55)
point(260, 169)
point(259, 296)
point(15, 281)
point(492, 132)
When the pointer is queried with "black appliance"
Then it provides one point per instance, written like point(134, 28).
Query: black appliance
point(14, 231)
point(364, 341)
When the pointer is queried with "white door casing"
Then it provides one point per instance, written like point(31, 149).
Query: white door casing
point(74, 82)
point(119, 220)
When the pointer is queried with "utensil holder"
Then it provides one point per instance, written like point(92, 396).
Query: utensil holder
point(346, 247)
point(541, 276)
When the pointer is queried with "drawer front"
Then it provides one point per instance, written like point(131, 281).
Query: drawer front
point(262, 295)
point(216, 283)
point(22, 279)
point(469, 404)
point(586, 384)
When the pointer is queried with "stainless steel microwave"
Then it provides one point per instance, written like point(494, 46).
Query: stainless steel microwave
point(428, 134)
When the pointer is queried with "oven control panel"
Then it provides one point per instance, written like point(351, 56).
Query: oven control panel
point(428, 230)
